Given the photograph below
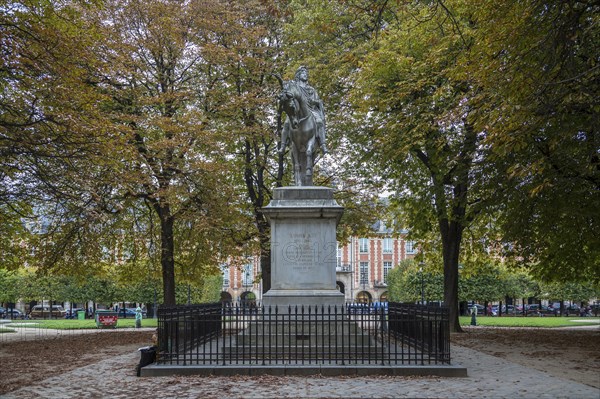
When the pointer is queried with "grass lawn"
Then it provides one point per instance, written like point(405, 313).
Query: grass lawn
point(532, 321)
point(61, 324)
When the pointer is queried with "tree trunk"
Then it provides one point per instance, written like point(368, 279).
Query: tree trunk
point(265, 257)
point(451, 238)
point(562, 307)
point(167, 260)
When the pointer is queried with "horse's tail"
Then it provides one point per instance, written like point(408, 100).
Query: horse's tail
point(278, 78)
point(279, 109)
point(279, 112)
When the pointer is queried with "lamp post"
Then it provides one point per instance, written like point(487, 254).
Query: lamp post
point(422, 284)
point(155, 304)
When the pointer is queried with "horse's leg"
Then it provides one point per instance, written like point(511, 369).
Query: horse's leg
point(285, 136)
point(310, 146)
point(296, 163)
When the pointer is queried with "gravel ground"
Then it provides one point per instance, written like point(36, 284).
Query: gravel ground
point(502, 363)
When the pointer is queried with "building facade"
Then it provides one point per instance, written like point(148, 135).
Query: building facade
point(363, 264)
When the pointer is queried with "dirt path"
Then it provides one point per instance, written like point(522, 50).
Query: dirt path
point(572, 353)
point(35, 355)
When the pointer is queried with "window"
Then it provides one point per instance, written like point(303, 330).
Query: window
point(225, 270)
point(387, 266)
point(387, 245)
point(226, 278)
point(363, 245)
point(410, 247)
point(364, 273)
point(247, 276)
point(339, 255)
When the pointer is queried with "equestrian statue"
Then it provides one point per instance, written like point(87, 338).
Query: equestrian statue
point(304, 127)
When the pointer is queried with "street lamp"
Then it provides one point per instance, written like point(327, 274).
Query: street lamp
point(422, 286)
point(155, 304)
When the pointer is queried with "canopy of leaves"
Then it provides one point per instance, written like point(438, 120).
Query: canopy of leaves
point(122, 107)
point(539, 70)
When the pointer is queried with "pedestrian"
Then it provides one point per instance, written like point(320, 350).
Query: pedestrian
point(138, 317)
point(474, 315)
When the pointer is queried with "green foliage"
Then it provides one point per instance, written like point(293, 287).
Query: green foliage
point(135, 167)
point(479, 116)
point(137, 139)
point(482, 283)
point(14, 235)
point(9, 283)
point(568, 290)
point(486, 284)
point(207, 290)
point(211, 289)
point(519, 284)
point(539, 70)
point(405, 282)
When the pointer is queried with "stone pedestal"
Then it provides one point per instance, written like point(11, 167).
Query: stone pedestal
point(303, 247)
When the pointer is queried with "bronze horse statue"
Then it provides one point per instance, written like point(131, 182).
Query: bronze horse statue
point(300, 130)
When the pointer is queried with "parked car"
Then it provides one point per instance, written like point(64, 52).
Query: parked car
point(358, 308)
point(508, 309)
point(533, 310)
point(11, 313)
point(14, 314)
point(549, 310)
point(43, 311)
point(572, 309)
point(519, 309)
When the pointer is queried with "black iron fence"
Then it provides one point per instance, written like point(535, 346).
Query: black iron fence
point(353, 334)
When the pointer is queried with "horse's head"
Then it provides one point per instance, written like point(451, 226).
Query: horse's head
point(288, 103)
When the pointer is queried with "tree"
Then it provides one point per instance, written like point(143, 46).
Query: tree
point(406, 281)
point(485, 284)
point(419, 114)
point(570, 291)
point(9, 281)
point(145, 132)
point(538, 67)
point(464, 117)
point(410, 111)
point(520, 285)
point(256, 49)
point(41, 103)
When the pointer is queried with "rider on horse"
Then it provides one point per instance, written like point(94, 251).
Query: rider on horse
point(316, 108)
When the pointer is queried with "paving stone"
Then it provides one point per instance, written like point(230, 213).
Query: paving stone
point(115, 378)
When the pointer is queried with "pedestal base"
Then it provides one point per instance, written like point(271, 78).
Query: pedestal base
point(286, 298)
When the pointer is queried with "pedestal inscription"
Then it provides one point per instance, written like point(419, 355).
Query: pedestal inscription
point(304, 255)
